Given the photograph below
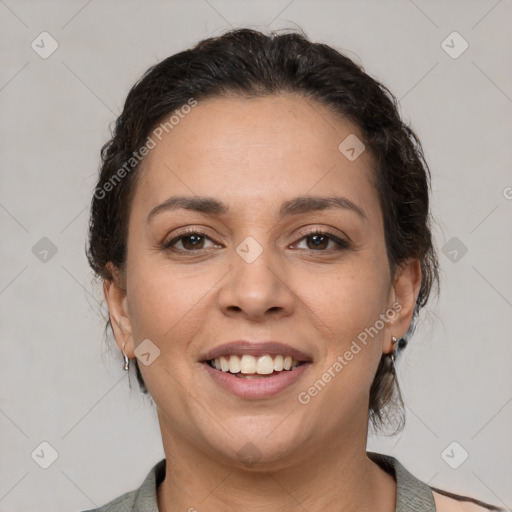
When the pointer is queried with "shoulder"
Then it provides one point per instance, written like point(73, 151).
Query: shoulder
point(144, 498)
point(449, 502)
point(411, 489)
point(122, 503)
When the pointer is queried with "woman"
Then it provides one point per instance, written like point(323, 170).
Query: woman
point(261, 225)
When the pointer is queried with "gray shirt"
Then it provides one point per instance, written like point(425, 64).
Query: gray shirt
point(412, 494)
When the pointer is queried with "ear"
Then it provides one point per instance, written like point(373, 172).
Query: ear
point(404, 293)
point(115, 296)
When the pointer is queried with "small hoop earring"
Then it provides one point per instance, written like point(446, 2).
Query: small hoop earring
point(126, 359)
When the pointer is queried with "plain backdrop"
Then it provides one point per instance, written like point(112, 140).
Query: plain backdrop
point(61, 385)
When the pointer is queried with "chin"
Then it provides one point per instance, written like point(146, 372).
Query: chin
point(256, 444)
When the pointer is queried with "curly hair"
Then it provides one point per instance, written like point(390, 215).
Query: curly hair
point(249, 63)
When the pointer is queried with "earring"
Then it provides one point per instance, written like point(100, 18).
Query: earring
point(126, 360)
point(394, 340)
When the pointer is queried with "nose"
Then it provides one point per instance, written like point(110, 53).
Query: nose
point(257, 290)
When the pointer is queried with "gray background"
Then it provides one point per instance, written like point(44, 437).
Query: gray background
point(61, 384)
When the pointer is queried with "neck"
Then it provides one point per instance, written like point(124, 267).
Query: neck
point(336, 477)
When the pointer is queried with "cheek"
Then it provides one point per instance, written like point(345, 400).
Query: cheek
point(348, 299)
point(167, 310)
point(167, 304)
point(345, 311)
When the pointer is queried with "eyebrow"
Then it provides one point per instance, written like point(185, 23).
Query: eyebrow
point(297, 205)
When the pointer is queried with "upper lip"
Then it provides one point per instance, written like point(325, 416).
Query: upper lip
point(242, 347)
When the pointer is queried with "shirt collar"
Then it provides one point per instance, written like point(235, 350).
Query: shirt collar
point(412, 494)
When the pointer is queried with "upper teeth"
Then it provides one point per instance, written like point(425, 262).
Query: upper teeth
point(263, 365)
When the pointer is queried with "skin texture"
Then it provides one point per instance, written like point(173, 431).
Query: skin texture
point(447, 504)
point(253, 154)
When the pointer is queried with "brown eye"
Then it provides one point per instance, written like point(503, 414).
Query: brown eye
point(319, 241)
point(190, 241)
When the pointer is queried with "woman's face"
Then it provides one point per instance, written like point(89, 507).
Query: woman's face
point(256, 273)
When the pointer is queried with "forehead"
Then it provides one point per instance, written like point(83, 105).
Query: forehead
point(256, 151)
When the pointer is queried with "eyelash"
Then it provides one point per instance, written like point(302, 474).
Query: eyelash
point(341, 243)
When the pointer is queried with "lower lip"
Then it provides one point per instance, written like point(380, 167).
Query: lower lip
point(266, 387)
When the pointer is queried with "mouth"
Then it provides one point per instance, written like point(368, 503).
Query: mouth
point(250, 367)
point(255, 370)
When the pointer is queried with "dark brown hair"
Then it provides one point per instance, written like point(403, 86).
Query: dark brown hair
point(249, 63)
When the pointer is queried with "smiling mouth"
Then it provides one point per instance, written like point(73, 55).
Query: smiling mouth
point(251, 367)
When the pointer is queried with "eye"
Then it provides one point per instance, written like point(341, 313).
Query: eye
point(319, 241)
point(190, 241)
point(316, 240)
